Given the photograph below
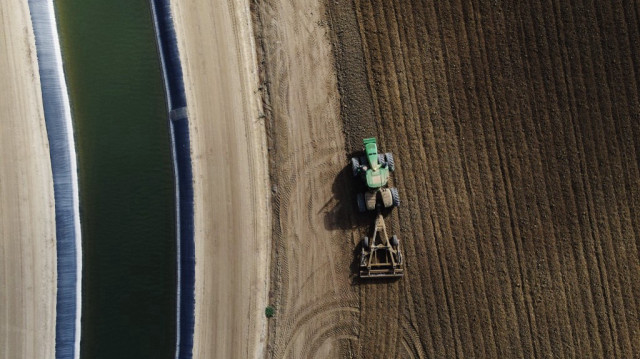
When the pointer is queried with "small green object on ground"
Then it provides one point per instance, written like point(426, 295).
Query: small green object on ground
point(269, 311)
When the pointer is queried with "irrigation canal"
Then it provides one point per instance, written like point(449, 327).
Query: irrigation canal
point(127, 198)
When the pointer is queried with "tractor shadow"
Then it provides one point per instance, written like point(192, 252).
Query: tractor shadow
point(341, 211)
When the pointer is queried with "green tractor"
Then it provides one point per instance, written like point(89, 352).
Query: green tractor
point(374, 169)
point(381, 256)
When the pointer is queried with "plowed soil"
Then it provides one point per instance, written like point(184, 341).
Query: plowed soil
point(516, 132)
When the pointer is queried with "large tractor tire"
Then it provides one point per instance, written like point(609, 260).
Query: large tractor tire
point(389, 160)
point(371, 200)
point(355, 166)
point(362, 206)
point(394, 241)
point(395, 196)
point(363, 258)
point(381, 160)
point(387, 198)
point(364, 161)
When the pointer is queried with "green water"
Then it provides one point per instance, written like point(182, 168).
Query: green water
point(126, 178)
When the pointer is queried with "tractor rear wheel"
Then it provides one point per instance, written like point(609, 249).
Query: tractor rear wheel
point(362, 206)
point(355, 166)
point(395, 196)
point(381, 160)
point(390, 163)
point(394, 240)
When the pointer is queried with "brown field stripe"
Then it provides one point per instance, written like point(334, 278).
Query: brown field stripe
point(553, 66)
point(423, 91)
point(570, 138)
point(400, 83)
point(610, 346)
point(624, 232)
point(539, 139)
point(491, 135)
point(388, 112)
point(428, 139)
point(473, 83)
point(457, 239)
point(498, 135)
point(620, 320)
point(612, 151)
point(630, 169)
point(414, 116)
point(434, 244)
point(442, 208)
point(554, 125)
point(549, 95)
point(502, 139)
point(378, 346)
point(465, 113)
point(363, 29)
point(562, 83)
point(499, 152)
point(421, 98)
point(532, 231)
point(531, 239)
point(594, 297)
point(507, 72)
point(517, 142)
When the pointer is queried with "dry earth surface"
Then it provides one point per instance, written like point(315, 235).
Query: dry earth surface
point(515, 127)
point(316, 305)
point(232, 214)
point(27, 217)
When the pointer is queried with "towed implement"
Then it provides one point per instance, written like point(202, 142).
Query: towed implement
point(381, 256)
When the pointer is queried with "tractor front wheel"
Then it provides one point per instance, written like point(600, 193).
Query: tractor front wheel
point(355, 166)
point(390, 163)
point(362, 206)
point(395, 196)
point(394, 241)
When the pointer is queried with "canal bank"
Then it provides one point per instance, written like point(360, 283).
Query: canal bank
point(179, 128)
point(58, 122)
point(126, 176)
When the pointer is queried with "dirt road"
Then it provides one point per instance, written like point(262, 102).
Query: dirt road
point(316, 304)
point(27, 218)
point(515, 129)
point(232, 215)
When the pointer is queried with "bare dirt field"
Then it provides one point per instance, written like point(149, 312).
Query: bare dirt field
point(515, 128)
point(232, 215)
point(27, 218)
point(316, 305)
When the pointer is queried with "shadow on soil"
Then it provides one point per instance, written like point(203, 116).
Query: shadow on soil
point(342, 212)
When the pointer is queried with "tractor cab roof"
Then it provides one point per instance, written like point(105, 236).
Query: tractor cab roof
point(371, 150)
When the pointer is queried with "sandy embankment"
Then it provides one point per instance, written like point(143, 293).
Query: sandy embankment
point(232, 221)
point(27, 218)
point(317, 305)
